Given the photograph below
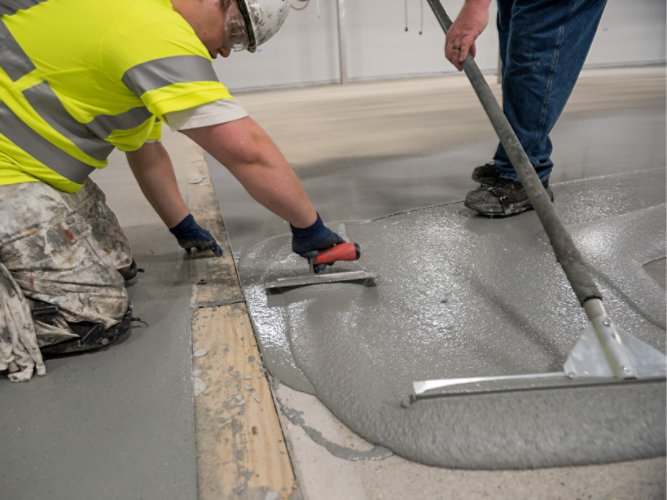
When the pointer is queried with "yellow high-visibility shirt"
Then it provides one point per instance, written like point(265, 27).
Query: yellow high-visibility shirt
point(80, 77)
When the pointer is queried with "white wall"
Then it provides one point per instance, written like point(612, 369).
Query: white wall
point(379, 46)
point(306, 50)
point(631, 32)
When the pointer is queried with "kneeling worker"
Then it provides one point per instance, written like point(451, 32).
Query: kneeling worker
point(78, 78)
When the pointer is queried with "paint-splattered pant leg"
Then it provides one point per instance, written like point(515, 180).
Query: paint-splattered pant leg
point(19, 352)
point(90, 203)
point(53, 255)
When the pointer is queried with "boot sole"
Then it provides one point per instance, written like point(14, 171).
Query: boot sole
point(508, 211)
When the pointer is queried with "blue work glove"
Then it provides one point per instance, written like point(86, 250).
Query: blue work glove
point(191, 235)
point(308, 242)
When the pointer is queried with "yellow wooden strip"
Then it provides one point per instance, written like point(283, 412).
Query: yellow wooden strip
point(240, 446)
point(241, 452)
point(216, 279)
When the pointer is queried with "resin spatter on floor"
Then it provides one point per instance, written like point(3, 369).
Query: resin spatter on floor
point(459, 295)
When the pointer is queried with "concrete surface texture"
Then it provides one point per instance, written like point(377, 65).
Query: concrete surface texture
point(401, 152)
point(462, 296)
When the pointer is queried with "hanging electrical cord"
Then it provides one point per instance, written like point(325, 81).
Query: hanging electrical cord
point(421, 22)
point(421, 14)
point(406, 14)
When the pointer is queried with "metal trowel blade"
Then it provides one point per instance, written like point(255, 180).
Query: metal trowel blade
point(279, 284)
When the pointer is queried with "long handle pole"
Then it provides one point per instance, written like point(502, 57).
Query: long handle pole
point(566, 252)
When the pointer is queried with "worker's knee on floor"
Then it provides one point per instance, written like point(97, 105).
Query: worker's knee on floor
point(87, 313)
point(84, 336)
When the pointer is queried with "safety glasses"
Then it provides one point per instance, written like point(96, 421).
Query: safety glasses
point(235, 37)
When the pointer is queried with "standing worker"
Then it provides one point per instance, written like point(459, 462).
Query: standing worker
point(78, 78)
point(543, 46)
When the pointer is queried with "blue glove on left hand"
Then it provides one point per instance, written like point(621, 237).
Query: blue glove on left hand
point(309, 241)
point(191, 235)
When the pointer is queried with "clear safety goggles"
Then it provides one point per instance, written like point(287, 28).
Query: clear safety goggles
point(236, 34)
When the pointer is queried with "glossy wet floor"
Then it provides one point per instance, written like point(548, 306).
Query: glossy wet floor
point(462, 296)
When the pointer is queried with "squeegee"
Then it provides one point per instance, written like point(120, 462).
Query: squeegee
point(604, 354)
point(348, 251)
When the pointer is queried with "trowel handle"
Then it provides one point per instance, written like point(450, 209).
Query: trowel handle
point(342, 251)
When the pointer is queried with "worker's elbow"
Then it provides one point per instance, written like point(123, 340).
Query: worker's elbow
point(235, 144)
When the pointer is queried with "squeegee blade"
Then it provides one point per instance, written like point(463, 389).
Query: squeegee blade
point(365, 278)
point(475, 386)
point(479, 385)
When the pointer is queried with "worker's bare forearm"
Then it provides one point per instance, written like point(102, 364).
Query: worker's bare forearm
point(154, 172)
point(253, 158)
point(479, 3)
point(475, 8)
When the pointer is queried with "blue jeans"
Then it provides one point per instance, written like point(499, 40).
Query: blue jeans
point(543, 45)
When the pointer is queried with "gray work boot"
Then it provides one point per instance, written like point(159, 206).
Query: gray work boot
point(486, 174)
point(501, 199)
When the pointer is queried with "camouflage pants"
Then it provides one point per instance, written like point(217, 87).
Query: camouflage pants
point(61, 249)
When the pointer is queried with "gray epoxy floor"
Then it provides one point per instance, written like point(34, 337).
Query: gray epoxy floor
point(117, 423)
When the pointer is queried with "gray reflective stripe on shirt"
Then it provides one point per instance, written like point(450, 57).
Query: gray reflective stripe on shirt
point(159, 73)
point(15, 62)
point(11, 6)
point(12, 127)
point(103, 125)
point(88, 137)
point(46, 103)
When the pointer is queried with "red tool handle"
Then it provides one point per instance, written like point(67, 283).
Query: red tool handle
point(342, 251)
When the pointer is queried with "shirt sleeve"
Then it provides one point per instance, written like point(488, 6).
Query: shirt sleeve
point(212, 113)
point(158, 59)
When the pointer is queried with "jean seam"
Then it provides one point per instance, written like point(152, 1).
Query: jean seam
point(548, 92)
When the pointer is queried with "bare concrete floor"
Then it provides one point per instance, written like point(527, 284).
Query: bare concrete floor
point(119, 424)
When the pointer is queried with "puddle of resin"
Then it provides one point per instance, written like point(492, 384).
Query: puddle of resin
point(459, 296)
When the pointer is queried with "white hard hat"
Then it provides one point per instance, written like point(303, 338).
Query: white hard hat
point(263, 18)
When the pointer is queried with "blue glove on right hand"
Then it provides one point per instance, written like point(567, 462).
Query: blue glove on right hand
point(309, 241)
